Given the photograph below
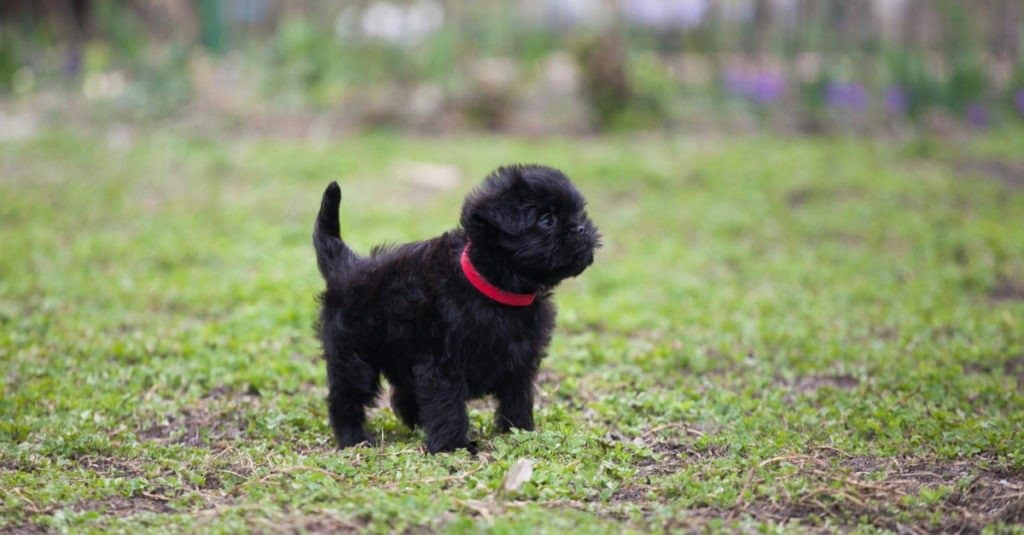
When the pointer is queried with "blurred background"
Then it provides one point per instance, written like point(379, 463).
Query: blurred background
point(535, 67)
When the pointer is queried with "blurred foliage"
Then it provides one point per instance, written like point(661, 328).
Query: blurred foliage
point(909, 72)
point(305, 57)
point(164, 84)
point(606, 82)
point(122, 30)
point(628, 71)
point(967, 82)
point(9, 59)
point(655, 92)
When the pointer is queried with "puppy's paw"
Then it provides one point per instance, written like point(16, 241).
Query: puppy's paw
point(505, 424)
point(436, 446)
point(354, 438)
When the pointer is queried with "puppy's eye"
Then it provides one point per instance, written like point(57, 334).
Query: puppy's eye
point(546, 221)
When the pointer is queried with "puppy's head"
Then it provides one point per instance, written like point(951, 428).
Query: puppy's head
point(532, 219)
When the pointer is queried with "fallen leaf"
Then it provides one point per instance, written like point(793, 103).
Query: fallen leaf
point(518, 474)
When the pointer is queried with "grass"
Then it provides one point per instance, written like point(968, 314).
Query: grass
point(778, 334)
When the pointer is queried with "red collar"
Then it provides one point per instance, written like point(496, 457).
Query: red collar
point(497, 294)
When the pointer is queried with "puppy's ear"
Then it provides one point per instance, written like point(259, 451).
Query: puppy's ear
point(488, 218)
point(492, 218)
point(494, 209)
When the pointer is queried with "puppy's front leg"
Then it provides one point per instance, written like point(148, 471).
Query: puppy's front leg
point(442, 402)
point(515, 403)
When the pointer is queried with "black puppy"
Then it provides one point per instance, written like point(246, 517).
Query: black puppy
point(455, 317)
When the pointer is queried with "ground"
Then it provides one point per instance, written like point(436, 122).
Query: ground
point(779, 334)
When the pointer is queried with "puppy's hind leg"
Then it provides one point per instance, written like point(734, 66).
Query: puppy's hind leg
point(353, 385)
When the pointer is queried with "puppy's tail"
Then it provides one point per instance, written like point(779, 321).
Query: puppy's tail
point(333, 257)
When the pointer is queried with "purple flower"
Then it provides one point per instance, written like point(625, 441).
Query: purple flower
point(758, 87)
point(768, 88)
point(1018, 100)
point(848, 96)
point(896, 101)
point(977, 115)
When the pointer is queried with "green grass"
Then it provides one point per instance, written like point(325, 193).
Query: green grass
point(777, 334)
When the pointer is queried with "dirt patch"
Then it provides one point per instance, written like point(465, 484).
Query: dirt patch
point(223, 392)
point(669, 458)
point(133, 468)
point(839, 382)
point(630, 493)
point(217, 392)
point(111, 467)
point(325, 524)
point(1013, 367)
point(1008, 172)
point(324, 448)
point(798, 197)
point(24, 529)
point(15, 466)
point(673, 449)
point(908, 495)
point(1007, 289)
point(198, 426)
point(548, 378)
point(122, 506)
point(886, 491)
point(809, 384)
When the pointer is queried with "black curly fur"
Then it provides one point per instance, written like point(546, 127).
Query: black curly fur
point(409, 313)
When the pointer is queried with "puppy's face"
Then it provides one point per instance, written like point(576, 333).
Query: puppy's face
point(533, 218)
